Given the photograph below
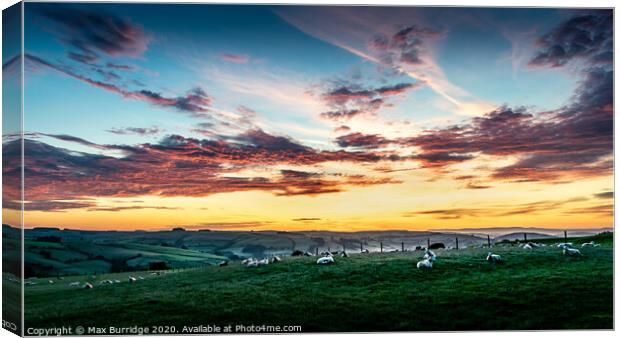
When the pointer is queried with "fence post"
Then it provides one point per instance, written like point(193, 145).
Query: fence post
point(489, 240)
point(402, 246)
point(361, 247)
point(525, 236)
point(565, 237)
point(344, 248)
point(317, 250)
point(381, 244)
point(457, 243)
point(428, 243)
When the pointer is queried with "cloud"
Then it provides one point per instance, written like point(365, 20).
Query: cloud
point(177, 166)
point(306, 219)
point(586, 37)
point(135, 131)
point(95, 33)
point(359, 140)
point(195, 102)
point(235, 58)
point(133, 207)
point(406, 45)
point(351, 100)
point(605, 195)
point(508, 210)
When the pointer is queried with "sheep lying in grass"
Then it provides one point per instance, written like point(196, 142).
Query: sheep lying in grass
point(591, 243)
point(132, 279)
point(222, 263)
point(571, 252)
point(527, 246)
point(425, 264)
point(327, 254)
point(308, 254)
point(493, 258)
point(276, 259)
point(344, 254)
point(87, 286)
point(325, 260)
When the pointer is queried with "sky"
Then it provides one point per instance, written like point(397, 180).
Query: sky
point(243, 117)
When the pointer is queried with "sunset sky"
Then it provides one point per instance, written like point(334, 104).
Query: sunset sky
point(337, 118)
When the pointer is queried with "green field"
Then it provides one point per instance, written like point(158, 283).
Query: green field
point(531, 290)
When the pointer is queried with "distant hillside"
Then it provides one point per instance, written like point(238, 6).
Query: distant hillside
point(520, 236)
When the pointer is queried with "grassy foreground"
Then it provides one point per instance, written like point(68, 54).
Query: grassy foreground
point(539, 289)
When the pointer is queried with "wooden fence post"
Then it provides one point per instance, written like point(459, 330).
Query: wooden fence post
point(565, 237)
point(457, 243)
point(428, 243)
point(489, 240)
point(402, 246)
point(344, 248)
point(317, 250)
point(361, 247)
point(381, 244)
point(525, 236)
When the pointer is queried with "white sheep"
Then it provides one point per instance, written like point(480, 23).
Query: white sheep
point(247, 260)
point(571, 252)
point(87, 286)
point(74, 284)
point(591, 243)
point(527, 247)
point(325, 260)
point(117, 281)
point(344, 254)
point(425, 264)
point(132, 279)
point(564, 245)
point(140, 278)
point(252, 264)
point(493, 258)
point(430, 255)
point(276, 259)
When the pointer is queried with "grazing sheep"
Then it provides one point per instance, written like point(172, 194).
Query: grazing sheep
point(564, 245)
point(263, 261)
point(140, 278)
point(365, 251)
point(107, 281)
point(157, 273)
point(252, 264)
point(430, 255)
point(74, 284)
point(571, 252)
point(50, 281)
point(87, 286)
point(132, 279)
point(297, 253)
point(223, 263)
point(117, 281)
point(527, 246)
point(247, 260)
point(493, 258)
point(276, 259)
point(308, 254)
point(344, 254)
point(325, 260)
point(327, 254)
point(425, 264)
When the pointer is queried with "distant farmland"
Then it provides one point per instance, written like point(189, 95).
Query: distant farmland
point(538, 289)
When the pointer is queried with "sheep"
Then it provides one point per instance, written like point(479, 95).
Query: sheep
point(74, 284)
point(87, 286)
point(252, 264)
point(140, 278)
point(527, 246)
point(297, 253)
point(247, 260)
point(325, 260)
point(308, 254)
point(425, 264)
point(365, 251)
point(117, 281)
point(276, 259)
point(430, 255)
point(591, 243)
point(107, 281)
point(50, 281)
point(571, 252)
point(264, 261)
point(327, 254)
point(132, 279)
point(493, 258)
point(344, 254)
point(564, 245)
point(223, 263)
point(437, 246)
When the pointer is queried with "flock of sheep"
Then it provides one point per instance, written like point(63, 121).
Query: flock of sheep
point(326, 258)
point(427, 260)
